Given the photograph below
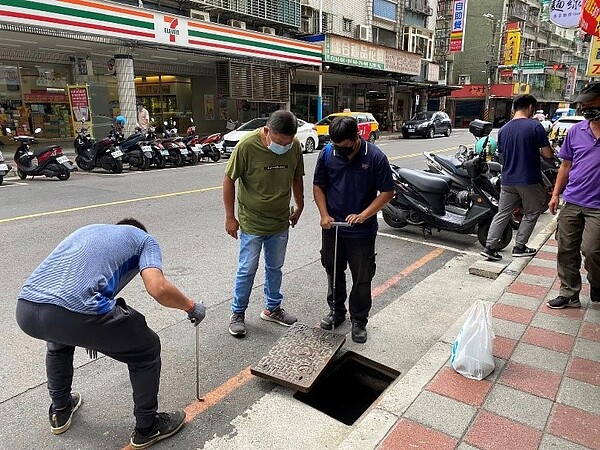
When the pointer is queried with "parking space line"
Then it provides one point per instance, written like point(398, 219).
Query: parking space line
point(102, 205)
point(413, 155)
point(430, 244)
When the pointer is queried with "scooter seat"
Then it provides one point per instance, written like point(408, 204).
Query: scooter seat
point(40, 151)
point(131, 140)
point(452, 164)
point(425, 182)
point(187, 139)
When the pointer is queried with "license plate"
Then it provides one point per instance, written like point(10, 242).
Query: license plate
point(3, 167)
point(410, 130)
point(117, 154)
point(146, 148)
point(164, 152)
point(184, 151)
point(62, 159)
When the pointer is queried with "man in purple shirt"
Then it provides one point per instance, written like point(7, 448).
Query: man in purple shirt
point(578, 228)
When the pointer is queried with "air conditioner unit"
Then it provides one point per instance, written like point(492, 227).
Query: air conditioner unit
point(236, 23)
point(362, 32)
point(464, 79)
point(267, 30)
point(199, 15)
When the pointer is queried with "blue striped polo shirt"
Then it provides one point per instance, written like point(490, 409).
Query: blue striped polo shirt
point(87, 270)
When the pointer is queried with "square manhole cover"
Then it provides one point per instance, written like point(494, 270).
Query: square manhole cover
point(299, 357)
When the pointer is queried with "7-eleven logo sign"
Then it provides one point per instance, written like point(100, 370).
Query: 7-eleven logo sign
point(171, 27)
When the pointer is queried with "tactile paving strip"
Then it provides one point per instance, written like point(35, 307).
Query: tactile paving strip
point(299, 357)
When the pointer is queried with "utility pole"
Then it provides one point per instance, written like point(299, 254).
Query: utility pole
point(490, 63)
point(320, 93)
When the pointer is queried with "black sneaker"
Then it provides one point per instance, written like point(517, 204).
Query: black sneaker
point(491, 255)
point(523, 252)
point(595, 294)
point(237, 325)
point(60, 420)
point(561, 302)
point(331, 320)
point(165, 425)
point(359, 333)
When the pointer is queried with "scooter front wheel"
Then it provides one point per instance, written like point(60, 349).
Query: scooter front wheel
point(117, 166)
point(482, 233)
point(63, 174)
point(22, 175)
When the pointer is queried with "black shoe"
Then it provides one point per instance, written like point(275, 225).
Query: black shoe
point(561, 302)
point(523, 252)
point(490, 254)
point(359, 333)
point(329, 320)
point(595, 294)
point(60, 420)
point(237, 325)
point(165, 425)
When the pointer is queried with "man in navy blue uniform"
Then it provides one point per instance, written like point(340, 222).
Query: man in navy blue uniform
point(352, 183)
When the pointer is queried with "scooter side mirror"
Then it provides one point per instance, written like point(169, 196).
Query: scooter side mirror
point(37, 131)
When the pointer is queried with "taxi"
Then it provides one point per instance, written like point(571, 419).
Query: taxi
point(368, 127)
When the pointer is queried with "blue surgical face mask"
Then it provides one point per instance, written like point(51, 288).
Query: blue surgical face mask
point(279, 149)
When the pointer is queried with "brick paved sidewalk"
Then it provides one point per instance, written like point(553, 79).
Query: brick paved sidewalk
point(545, 391)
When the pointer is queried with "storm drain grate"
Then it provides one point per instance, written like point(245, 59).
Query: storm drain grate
point(298, 358)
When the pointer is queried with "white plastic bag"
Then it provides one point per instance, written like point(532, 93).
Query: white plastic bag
point(472, 350)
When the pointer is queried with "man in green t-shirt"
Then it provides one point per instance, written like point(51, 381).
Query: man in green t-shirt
point(269, 167)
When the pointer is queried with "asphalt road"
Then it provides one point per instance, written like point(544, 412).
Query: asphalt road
point(182, 208)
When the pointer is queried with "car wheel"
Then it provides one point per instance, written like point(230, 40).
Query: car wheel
point(448, 131)
point(430, 133)
point(372, 138)
point(309, 146)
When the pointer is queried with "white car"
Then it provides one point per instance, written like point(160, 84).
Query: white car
point(307, 135)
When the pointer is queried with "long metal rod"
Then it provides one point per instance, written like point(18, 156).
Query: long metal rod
point(337, 226)
point(197, 358)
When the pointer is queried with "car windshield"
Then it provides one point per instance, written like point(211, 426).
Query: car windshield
point(324, 121)
point(253, 124)
point(427, 115)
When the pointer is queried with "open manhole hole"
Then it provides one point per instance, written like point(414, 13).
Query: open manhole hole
point(348, 387)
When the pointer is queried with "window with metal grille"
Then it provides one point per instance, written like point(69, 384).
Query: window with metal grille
point(252, 82)
point(385, 9)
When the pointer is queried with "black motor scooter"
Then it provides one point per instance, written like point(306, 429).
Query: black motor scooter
point(91, 153)
point(48, 161)
point(420, 199)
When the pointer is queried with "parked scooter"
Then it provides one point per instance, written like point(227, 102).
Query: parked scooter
point(91, 153)
point(420, 199)
point(205, 146)
point(48, 161)
point(159, 153)
point(176, 148)
point(4, 168)
point(135, 151)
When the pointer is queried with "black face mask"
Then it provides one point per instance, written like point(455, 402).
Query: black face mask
point(344, 151)
point(591, 114)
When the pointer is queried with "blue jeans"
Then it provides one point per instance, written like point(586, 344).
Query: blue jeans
point(250, 247)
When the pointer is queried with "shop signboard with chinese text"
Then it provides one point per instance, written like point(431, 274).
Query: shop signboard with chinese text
point(339, 50)
point(565, 13)
point(588, 22)
point(571, 81)
point(530, 68)
point(81, 115)
point(459, 22)
point(593, 67)
point(512, 47)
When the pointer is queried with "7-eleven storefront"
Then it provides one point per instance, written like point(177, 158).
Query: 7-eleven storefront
point(177, 67)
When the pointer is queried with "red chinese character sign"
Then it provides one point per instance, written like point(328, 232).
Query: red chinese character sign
point(593, 69)
point(590, 14)
point(81, 115)
point(459, 21)
point(565, 13)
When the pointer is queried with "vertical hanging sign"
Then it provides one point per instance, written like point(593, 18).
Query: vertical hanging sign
point(512, 46)
point(593, 67)
point(459, 22)
point(588, 22)
point(81, 115)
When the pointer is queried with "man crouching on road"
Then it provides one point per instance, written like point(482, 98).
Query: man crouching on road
point(69, 301)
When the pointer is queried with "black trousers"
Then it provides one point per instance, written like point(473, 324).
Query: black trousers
point(359, 256)
point(121, 334)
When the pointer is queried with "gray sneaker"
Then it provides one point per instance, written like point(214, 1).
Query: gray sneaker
point(237, 326)
point(280, 316)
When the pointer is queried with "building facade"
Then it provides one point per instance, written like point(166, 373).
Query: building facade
point(549, 61)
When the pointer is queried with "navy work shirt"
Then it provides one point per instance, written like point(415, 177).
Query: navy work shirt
point(519, 142)
point(351, 185)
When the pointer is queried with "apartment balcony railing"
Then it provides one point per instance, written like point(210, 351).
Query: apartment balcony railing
point(419, 6)
point(283, 12)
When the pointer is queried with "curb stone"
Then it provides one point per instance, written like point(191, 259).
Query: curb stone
point(381, 418)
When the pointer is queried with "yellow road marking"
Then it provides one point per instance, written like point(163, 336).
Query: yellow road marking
point(102, 205)
point(413, 155)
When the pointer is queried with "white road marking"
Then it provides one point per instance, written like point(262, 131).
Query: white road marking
point(430, 244)
point(12, 183)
